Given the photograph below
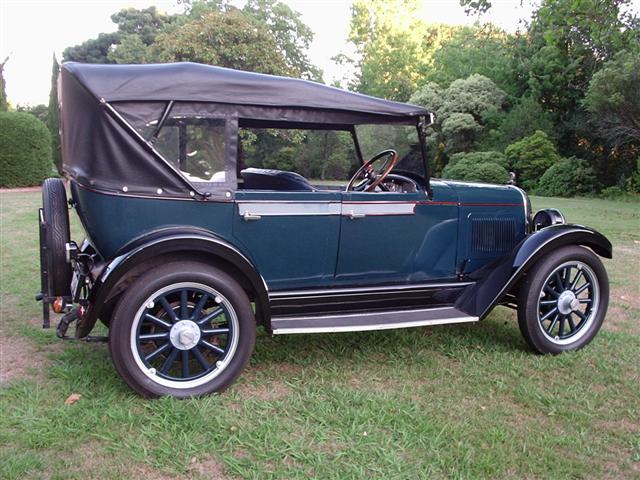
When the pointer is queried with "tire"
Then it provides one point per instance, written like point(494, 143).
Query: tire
point(563, 301)
point(187, 307)
point(56, 216)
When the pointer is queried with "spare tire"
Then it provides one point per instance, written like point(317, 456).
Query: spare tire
point(56, 218)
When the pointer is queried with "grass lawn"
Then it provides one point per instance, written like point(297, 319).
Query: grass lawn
point(467, 401)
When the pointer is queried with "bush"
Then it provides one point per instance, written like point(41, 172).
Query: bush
point(470, 171)
point(460, 131)
point(25, 150)
point(480, 157)
point(568, 178)
point(531, 157)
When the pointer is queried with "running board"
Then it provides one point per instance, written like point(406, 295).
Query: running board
point(356, 322)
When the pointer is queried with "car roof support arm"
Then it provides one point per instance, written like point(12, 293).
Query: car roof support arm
point(421, 126)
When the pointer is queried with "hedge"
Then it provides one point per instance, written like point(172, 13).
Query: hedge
point(25, 150)
point(480, 157)
point(569, 177)
point(470, 171)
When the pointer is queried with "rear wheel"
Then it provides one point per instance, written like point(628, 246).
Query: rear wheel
point(564, 301)
point(56, 216)
point(183, 329)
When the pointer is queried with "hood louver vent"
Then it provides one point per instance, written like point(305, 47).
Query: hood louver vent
point(493, 235)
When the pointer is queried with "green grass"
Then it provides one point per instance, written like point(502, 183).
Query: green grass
point(466, 401)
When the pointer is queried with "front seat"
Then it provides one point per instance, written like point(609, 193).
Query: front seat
point(266, 179)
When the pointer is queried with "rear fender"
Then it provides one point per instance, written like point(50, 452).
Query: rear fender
point(139, 255)
point(498, 278)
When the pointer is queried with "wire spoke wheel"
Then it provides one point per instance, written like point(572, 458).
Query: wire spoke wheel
point(563, 300)
point(568, 302)
point(184, 335)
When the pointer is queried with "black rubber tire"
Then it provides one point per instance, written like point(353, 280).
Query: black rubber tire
point(56, 215)
point(122, 321)
point(530, 294)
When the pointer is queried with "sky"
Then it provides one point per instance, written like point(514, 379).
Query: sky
point(32, 30)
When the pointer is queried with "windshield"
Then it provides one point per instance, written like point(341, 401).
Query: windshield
point(401, 138)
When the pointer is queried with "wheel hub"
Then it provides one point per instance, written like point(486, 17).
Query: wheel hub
point(567, 302)
point(184, 335)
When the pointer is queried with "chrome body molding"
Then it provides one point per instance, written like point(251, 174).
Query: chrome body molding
point(271, 209)
point(361, 290)
point(350, 209)
point(253, 210)
point(358, 322)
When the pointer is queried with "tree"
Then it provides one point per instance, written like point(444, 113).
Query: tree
point(463, 111)
point(25, 150)
point(95, 50)
point(480, 157)
point(292, 35)
point(485, 50)
point(568, 41)
point(476, 95)
point(41, 112)
point(526, 116)
point(228, 39)
point(469, 170)
point(569, 177)
point(460, 131)
point(531, 157)
point(4, 104)
point(394, 46)
point(613, 99)
point(475, 7)
point(137, 30)
point(53, 114)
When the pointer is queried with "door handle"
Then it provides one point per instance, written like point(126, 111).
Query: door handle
point(249, 216)
point(354, 216)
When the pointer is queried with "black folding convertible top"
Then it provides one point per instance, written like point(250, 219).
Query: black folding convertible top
point(194, 82)
point(105, 107)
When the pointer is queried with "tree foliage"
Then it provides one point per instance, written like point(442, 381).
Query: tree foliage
point(461, 132)
point(137, 30)
point(53, 114)
point(291, 34)
point(480, 157)
point(484, 50)
point(471, 171)
point(522, 120)
point(394, 46)
point(569, 177)
point(4, 104)
point(25, 150)
point(613, 98)
point(228, 39)
point(531, 157)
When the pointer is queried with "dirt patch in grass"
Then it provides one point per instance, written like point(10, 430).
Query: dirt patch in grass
point(20, 190)
point(92, 460)
point(265, 390)
point(621, 319)
point(19, 358)
point(208, 468)
point(276, 390)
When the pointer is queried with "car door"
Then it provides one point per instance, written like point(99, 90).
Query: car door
point(397, 237)
point(292, 237)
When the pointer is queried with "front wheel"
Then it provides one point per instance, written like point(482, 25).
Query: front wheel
point(564, 300)
point(183, 329)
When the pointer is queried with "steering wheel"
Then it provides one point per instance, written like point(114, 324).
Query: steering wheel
point(372, 177)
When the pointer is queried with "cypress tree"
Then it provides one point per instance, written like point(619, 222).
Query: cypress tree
point(4, 104)
point(53, 116)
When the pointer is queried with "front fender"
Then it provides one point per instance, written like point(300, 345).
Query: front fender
point(496, 279)
point(167, 242)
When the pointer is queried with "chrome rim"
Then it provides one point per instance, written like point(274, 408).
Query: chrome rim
point(568, 302)
point(184, 335)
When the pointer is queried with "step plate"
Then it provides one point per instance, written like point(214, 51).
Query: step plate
point(356, 322)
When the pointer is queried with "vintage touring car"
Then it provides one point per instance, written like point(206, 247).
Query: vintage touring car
point(192, 241)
